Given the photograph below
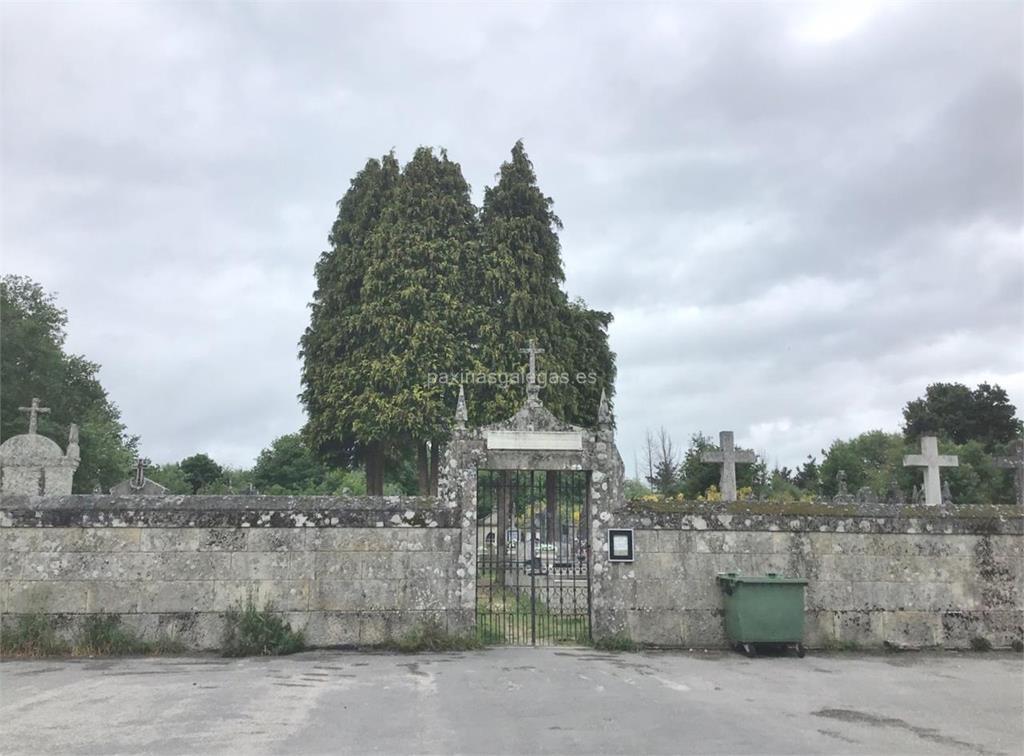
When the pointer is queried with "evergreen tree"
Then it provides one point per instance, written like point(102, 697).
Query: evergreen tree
point(522, 279)
point(339, 348)
point(956, 413)
point(421, 303)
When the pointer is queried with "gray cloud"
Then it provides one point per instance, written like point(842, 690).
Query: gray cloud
point(799, 219)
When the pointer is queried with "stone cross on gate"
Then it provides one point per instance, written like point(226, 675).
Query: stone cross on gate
point(727, 457)
point(931, 459)
point(1015, 462)
point(33, 412)
point(140, 472)
point(532, 389)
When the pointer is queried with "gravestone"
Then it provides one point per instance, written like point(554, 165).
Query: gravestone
point(727, 456)
point(34, 465)
point(1015, 462)
point(139, 485)
point(931, 460)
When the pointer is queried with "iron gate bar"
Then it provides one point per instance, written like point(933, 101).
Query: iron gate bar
point(532, 524)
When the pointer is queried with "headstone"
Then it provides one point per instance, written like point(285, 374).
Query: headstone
point(931, 460)
point(947, 495)
point(1015, 462)
point(895, 496)
point(35, 465)
point(727, 456)
point(140, 485)
point(842, 492)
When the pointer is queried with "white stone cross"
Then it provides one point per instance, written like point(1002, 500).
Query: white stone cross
point(931, 459)
point(727, 457)
point(33, 412)
point(1015, 462)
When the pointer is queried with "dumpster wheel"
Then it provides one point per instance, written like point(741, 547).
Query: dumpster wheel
point(748, 649)
point(800, 650)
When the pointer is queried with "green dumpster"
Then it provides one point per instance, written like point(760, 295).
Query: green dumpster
point(763, 609)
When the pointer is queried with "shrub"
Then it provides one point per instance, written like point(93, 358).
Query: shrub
point(978, 643)
point(249, 631)
point(32, 635)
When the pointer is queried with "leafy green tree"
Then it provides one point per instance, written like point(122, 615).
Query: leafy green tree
point(340, 350)
point(289, 464)
point(808, 477)
point(171, 476)
point(33, 363)
point(201, 471)
point(871, 459)
point(956, 413)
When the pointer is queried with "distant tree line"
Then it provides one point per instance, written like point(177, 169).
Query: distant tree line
point(977, 425)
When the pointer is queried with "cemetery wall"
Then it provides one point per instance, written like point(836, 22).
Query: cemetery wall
point(930, 579)
point(345, 570)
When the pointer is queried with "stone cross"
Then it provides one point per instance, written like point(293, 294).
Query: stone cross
point(33, 411)
point(931, 459)
point(140, 472)
point(727, 457)
point(532, 389)
point(1015, 462)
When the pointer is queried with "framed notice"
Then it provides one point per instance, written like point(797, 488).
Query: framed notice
point(620, 544)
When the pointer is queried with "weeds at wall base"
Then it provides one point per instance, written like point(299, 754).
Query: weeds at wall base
point(249, 631)
point(431, 637)
point(36, 635)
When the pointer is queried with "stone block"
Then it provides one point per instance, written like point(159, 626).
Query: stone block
point(819, 628)
point(656, 627)
point(272, 565)
point(177, 596)
point(830, 595)
point(326, 628)
point(30, 597)
point(60, 566)
point(361, 595)
point(276, 539)
point(337, 565)
point(863, 628)
point(998, 627)
point(175, 565)
point(282, 595)
point(921, 629)
point(702, 628)
point(114, 597)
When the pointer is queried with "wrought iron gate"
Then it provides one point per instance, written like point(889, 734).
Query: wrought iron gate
point(533, 557)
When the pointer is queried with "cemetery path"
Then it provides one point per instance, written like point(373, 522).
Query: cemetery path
point(517, 700)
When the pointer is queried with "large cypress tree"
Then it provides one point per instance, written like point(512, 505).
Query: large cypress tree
point(523, 277)
point(422, 305)
point(339, 348)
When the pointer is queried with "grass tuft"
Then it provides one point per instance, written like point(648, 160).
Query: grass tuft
point(249, 631)
point(617, 642)
point(431, 637)
point(32, 635)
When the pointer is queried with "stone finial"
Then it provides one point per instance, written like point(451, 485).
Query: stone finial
point(33, 414)
point(727, 456)
point(461, 413)
point(604, 413)
point(1015, 462)
point(931, 460)
point(74, 452)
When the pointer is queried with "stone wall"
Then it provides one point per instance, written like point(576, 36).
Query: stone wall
point(360, 570)
point(351, 570)
point(936, 578)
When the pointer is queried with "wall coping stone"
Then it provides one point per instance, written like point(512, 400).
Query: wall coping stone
point(103, 510)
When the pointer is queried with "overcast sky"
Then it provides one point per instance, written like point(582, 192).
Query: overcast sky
point(800, 215)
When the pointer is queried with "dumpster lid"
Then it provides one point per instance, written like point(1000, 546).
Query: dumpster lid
point(771, 577)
